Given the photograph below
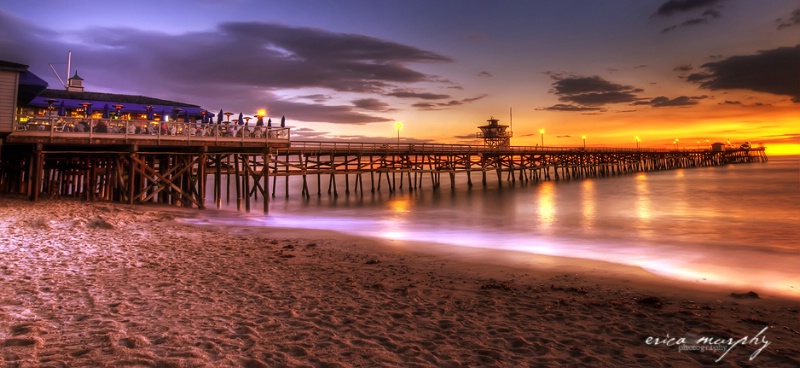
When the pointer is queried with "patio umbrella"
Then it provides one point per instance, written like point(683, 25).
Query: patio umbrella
point(241, 119)
point(219, 117)
point(89, 110)
point(106, 115)
point(186, 116)
point(62, 111)
point(283, 121)
point(260, 121)
point(163, 115)
point(150, 114)
point(269, 123)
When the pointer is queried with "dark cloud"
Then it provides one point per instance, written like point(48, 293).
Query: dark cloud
point(683, 68)
point(566, 107)
point(419, 95)
point(592, 91)
point(793, 20)
point(740, 103)
point(663, 101)
point(672, 7)
point(484, 74)
point(238, 66)
point(689, 22)
point(444, 105)
point(775, 71)
point(337, 114)
point(316, 98)
point(372, 104)
point(713, 13)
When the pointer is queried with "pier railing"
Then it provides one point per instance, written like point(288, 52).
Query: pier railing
point(65, 127)
point(465, 148)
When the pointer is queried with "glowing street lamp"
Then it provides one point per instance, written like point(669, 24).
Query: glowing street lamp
point(541, 131)
point(86, 108)
point(698, 144)
point(708, 145)
point(637, 141)
point(398, 125)
point(118, 107)
point(584, 141)
point(676, 143)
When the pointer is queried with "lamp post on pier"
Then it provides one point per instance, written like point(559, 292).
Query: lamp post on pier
point(541, 132)
point(86, 108)
point(637, 141)
point(584, 141)
point(676, 143)
point(708, 145)
point(398, 125)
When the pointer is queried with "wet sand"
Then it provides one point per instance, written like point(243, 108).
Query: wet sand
point(107, 285)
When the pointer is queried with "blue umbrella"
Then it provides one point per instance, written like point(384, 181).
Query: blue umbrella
point(89, 110)
point(269, 123)
point(219, 117)
point(150, 114)
point(186, 116)
point(283, 121)
point(260, 121)
point(106, 115)
point(241, 119)
point(163, 115)
point(62, 111)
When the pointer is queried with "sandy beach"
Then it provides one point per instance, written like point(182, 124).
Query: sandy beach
point(106, 285)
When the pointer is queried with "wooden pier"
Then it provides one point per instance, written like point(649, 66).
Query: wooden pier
point(180, 169)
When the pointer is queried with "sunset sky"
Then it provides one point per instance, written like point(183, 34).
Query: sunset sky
point(692, 70)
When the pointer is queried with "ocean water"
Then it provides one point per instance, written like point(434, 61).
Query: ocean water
point(737, 225)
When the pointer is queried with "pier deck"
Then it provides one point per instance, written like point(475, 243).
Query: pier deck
point(176, 168)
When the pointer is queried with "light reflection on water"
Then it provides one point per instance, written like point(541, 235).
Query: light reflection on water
point(734, 225)
point(588, 204)
point(547, 207)
point(643, 206)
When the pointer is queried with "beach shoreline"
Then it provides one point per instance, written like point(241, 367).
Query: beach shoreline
point(100, 284)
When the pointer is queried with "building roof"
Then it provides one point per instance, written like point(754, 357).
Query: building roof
point(110, 98)
point(30, 86)
point(131, 103)
point(14, 67)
